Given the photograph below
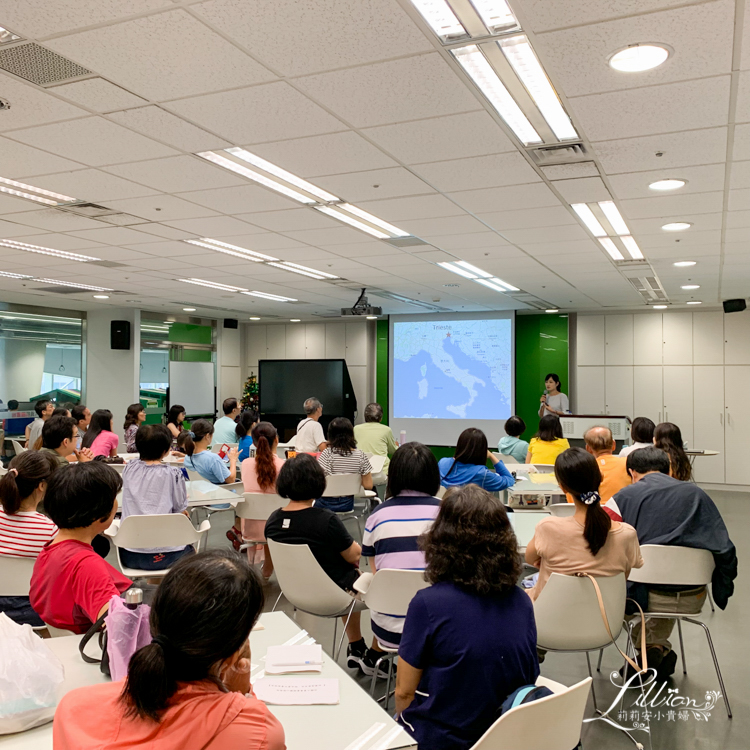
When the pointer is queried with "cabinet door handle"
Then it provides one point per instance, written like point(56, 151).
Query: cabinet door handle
point(721, 418)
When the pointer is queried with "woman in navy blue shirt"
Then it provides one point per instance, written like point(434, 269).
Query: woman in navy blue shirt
point(469, 464)
point(469, 640)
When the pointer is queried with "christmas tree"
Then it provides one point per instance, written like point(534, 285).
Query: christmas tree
point(250, 393)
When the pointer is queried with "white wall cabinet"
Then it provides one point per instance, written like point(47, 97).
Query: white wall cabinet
point(708, 421)
point(618, 391)
point(678, 398)
point(648, 398)
point(618, 340)
point(708, 338)
point(737, 338)
point(590, 390)
point(735, 431)
point(677, 339)
point(590, 340)
point(647, 339)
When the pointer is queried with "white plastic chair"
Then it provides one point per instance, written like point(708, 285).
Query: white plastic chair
point(389, 591)
point(3, 471)
point(58, 632)
point(257, 506)
point(441, 491)
point(666, 565)
point(149, 531)
point(550, 723)
point(507, 459)
point(545, 468)
point(561, 510)
point(18, 448)
point(341, 485)
point(568, 617)
point(15, 575)
point(308, 588)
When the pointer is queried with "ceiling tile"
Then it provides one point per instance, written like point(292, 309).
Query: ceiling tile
point(740, 175)
point(583, 190)
point(160, 208)
point(32, 106)
point(97, 94)
point(484, 240)
point(53, 220)
point(671, 205)
point(114, 235)
point(295, 218)
point(267, 242)
point(13, 228)
point(545, 234)
point(164, 56)
point(237, 200)
point(257, 114)
point(363, 32)
point(703, 179)
point(59, 241)
point(741, 140)
point(416, 207)
point(743, 98)
point(395, 91)
point(739, 200)
point(737, 219)
point(10, 205)
point(443, 226)
point(93, 141)
point(212, 226)
point(528, 218)
point(333, 236)
point(18, 160)
point(506, 198)
point(360, 249)
point(160, 230)
point(380, 183)
point(496, 170)
point(92, 185)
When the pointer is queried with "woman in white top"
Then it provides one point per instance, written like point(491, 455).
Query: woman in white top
point(553, 401)
point(642, 433)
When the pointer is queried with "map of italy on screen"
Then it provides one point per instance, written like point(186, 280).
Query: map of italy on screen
point(452, 369)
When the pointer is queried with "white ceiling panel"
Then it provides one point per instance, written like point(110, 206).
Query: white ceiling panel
point(440, 138)
point(163, 56)
point(10, 205)
point(737, 219)
point(506, 198)
point(295, 218)
point(528, 218)
point(59, 241)
point(363, 32)
point(380, 183)
point(406, 89)
point(169, 249)
point(741, 140)
point(462, 225)
point(305, 254)
point(739, 200)
point(696, 236)
point(160, 230)
point(93, 141)
point(31, 106)
point(687, 105)
point(740, 175)
point(265, 243)
point(583, 190)
point(743, 98)
point(545, 234)
point(495, 170)
point(698, 35)
point(568, 247)
point(160, 208)
point(359, 249)
point(703, 179)
point(416, 207)
point(740, 234)
point(92, 185)
point(98, 95)
point(168, 128)
point(114, 235)
point(334, 153)
point(324, 237)
point(213, 226)
point(13, 228)
point(17, 160)
point(176, 174)
point(237, 200)
point(485, 240)
point(261, 113)
point(53, 220)
point(673, 205)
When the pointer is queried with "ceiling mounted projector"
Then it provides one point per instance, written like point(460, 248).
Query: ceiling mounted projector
point(361, 307)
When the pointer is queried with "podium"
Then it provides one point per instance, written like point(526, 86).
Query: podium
point(574, 426)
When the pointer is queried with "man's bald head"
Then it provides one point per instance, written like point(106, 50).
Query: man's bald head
point(599, 440)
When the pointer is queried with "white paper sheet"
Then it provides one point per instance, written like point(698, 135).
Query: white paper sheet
point(290, 659)
point(297, 691)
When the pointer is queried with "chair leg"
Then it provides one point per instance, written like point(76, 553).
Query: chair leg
point(591, 675)
point(388, 686)
point(276, 604)
point(346, 624)
point(682, 646)
point(599, 664)
point(335, 630)
point(710, 598)
point(716, 662)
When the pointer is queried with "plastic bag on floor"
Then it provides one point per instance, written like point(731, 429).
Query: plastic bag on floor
point(30, 675)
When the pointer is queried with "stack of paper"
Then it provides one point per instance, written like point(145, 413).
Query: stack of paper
point(297, 691)
point(287, 659)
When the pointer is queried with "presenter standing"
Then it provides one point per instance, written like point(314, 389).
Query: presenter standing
point(553, 401)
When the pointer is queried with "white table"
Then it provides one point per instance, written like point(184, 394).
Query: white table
point(693, 454)
point(306, 727)
point(202, 493)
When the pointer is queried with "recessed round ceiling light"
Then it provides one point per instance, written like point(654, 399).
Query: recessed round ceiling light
point(294, 320)
point(690, 286)
point(677, 226)
point(254, 318)
point(637, 58)
point(668, 184)
point(552, 310)
point(101, 296)
point(658, 307)
point(372, 317)
point(684, 263)
point(188, 309)
point(694, 302)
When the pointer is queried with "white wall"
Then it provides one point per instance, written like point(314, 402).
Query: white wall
point(112, 379)
point(21, 369)
point(228, 366)
point(689, 368)
point(351, 341)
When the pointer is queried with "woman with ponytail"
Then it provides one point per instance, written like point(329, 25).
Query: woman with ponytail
point(190, 687)
point(245, 423)
point(23, 530)
point(588, 541)
point(199, 457)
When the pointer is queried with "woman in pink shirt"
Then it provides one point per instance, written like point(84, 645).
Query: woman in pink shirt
point(99, 436)
point(190, 688)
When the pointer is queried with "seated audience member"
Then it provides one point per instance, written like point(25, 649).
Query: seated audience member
point(468, 466)
point(175, 418)
point(587, 542)
point(259, 475)
point(190, 687)
point(641, 433)
point(150, 487)
point(71, 585)
point(43, 411)
point(469, 640)
point(100, 437)
point(82, 416)
point(23, 530)
point(511, 444)
point(135, 417)
point(548, 443)
point(668, 437)
point(243, 433)
point(394, 527)
point(667, 511)
point(342, 456)
point(374, 437)
point(225, 428)
point(59, 437)
point(301, 481)
point(58, 412)
point(201, 459)
point(601, 445)
point(310, 437)
point(179, 449)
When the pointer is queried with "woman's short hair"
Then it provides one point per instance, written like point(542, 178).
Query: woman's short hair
point(549, 428)
point(174, 412)
point(80, 494)
point(471, 447)
point(341, 436)
point(515, 426)
point(301, 478)
point(202, 614)
point(153, 441)
point(642, 430)
point(373, 412)
point(472, 543)
point(413, 467)
point(131, 415)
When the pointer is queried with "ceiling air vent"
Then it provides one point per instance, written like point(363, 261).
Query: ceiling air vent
point(562, 154)
point(406, 241)
point(39, 64)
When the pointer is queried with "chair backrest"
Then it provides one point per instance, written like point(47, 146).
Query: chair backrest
point(545, 468)
point(193, 475)
point(567, 612)
point(507, 459)
point(217, 448)
point(674, 566)
point(17, 447)
point(551, 723)
point(58, 632)
point(304, 583)
point(561, 509)
point(377, 463)
point(147, 532)
point(524, 524)
point(3, 471)
point(258, 506)
point(441, 491)
point(391, 590)
point(15, 575)
point(342, 485)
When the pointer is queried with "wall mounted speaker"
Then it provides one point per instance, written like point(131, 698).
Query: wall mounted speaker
point(229, 323)
point(119, 334)
point(734, 305)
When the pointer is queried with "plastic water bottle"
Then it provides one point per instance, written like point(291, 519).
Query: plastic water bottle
point(402, 437)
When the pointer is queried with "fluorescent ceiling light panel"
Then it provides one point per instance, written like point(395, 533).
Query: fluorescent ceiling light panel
point(450, 266)
point(497, 284)
point(632, 247)
point(611, 248)
point(587, 217)
point(101, 296)
point(508, 286)
point(690, 286)
point(524, 61)
point(473, 269)
point(484, 76)
point(440, 18)
point(384, 225)
point(9, 275)
point(496, 15)
point(614, 217)
point(336, 213)
point(639, 57)
point(668, 184)
point(224, 247)
point(290, 266)
point(312, 274)
point(694, 302)
point(658, 307)
point(77, 286)
point(15, 245)
point(274, 297)
point(677, 226)
point(684, 263)
point(32, 193)
point(214, 285)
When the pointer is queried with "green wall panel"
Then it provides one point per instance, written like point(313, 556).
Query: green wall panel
point(381, 367)
point(185, 333)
